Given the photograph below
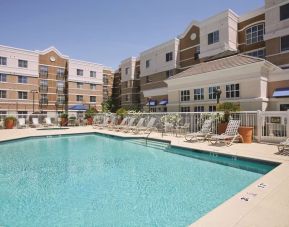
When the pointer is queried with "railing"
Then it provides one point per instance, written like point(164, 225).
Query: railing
point(267, 126)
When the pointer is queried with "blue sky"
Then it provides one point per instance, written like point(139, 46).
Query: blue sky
point(106, 31)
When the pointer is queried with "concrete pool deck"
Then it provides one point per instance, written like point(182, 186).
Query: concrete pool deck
point(263, 203)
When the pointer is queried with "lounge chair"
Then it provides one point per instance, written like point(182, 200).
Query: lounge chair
point(112, 123)
point(47, 122)
point(104, 124)
point(35, 122)
point(125, 128)
point(135, 128)
point(148, 128)
point(122, 124)
point(230, 135)
point(21, 123)
point(201, 135)
point(283, 146)
point(183, 129)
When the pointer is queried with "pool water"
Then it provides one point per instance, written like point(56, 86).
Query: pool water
point(95, 180)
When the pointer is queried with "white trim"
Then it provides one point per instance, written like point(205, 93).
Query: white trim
point(160, 46)
point(252, 14)
point(194, 22)
point(51, 48)
point(182, 50)
point(253, 24)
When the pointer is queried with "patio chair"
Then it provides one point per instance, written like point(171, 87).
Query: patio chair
point(104, 124)
point(135, 128)
point(149, 127)
point(125, 128)
point(112, 123)
point(47, 122)
point(201, 135)
point(122, 124)
point(182, 129)
point(21, 123)
point(35, 122)
point(230, 135)
point(283, 146)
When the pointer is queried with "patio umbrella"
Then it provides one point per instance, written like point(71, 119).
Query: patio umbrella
point(79, 107)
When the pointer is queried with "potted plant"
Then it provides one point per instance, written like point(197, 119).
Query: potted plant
point(227, 108)
point(64, 119)
point(9, 122)
point(89, 113)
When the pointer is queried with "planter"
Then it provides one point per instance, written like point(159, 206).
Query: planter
point(64, 121)
point(246, 133)
point(9, 124)
point(89, 120)
point(222, 128)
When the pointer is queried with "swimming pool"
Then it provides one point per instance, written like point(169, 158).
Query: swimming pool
point(95, 180)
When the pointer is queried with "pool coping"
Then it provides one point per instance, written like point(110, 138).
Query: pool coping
point(234, 211)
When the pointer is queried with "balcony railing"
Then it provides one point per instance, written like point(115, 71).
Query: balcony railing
point(43, 89)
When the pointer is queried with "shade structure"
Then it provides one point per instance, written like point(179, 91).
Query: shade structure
point(152, 103)
point(79, 107)
point(281, 92)
point(163, 102)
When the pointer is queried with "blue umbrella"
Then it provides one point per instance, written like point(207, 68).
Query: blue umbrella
point(79, 107)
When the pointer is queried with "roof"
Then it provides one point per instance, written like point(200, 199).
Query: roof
point(219, 64)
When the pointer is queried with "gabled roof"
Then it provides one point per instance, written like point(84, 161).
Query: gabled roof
point(193, 23)
point(52, 48)
point(219, 64)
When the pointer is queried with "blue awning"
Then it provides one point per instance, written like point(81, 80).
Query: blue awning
point(79, 107)
point(281, 92)
point(152, 103)
point(163, 102)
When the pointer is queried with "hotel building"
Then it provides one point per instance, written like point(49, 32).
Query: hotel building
point(49, 82)
point(224, 51)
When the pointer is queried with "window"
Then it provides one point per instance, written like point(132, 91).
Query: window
point(22, 95)
point(126, 98)
point(212, 108)
point(3, 94)
point(60, 86)
point(169, 73)
point(285, 43)
point(22, 63)
point(148, 79)
point(197, 53)
point(169, 56)
point(79, 98)
point(232, 91)
point(125, 84)
point(257, 53)
point(199, 94)
point(185, 95)
point(92, 86)
point(79, 85)
point(185, 109)
point(60, 73)
point(43, 99)
point(212, 90)
point(79, 72)
point(3, 77)
point(22, 79)
point(126, 71)
point(153, 109)
point(3, 61)
point(22, 114)
point(93, 74)
point(213, 37)
point(105, 79)
point(284, 12)
point(148, 63)
point(60, 99)
point(198, 109)
point(284, 107)
point(43, 86)
point(43, 71)
point(2, 114)
point(92, 98)
point(255, 34)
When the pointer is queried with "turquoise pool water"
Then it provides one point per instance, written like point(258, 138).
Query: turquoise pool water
point(94, 180)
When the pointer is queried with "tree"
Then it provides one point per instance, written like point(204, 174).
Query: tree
point(108, 105)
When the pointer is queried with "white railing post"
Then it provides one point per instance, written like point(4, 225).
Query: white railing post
point(259, 125)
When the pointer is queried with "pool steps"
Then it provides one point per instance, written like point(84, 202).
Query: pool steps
point(151, 143)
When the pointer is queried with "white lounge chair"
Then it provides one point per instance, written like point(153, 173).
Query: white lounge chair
point(139, 125)
point(283, 146)
point(230, 135)
point(48, 122)
point(21, 123)
point(149, 127)
point(112, 123)
point(122, 124)
point(104, 124)
point(35, 122)
point(202, 134)
point(130, 123)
